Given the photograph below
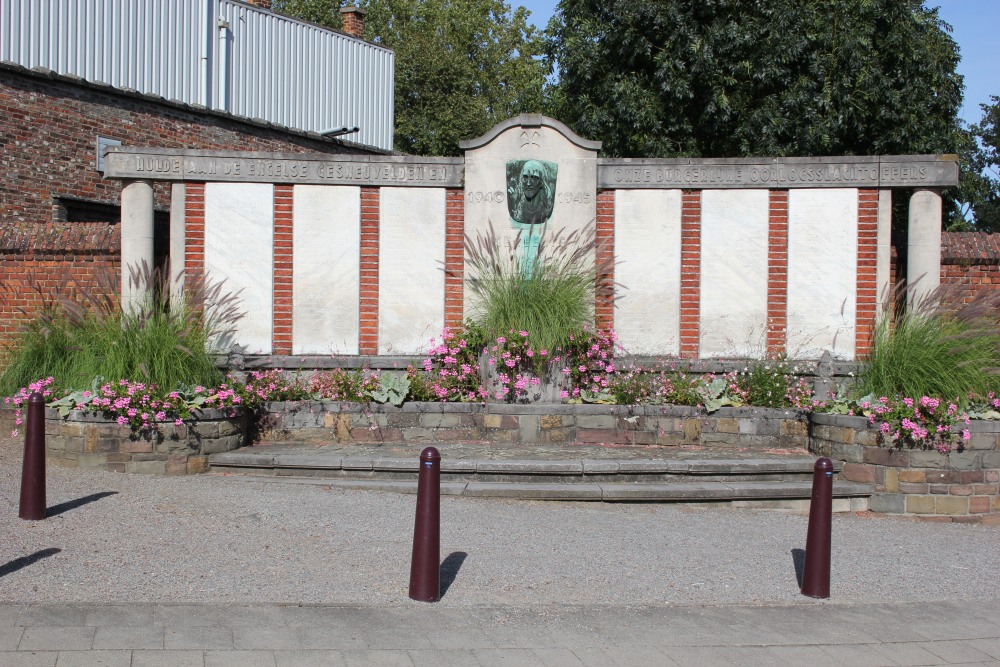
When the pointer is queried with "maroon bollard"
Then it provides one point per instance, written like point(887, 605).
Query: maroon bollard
point(816, 571)
point(33, 469)
point(425, 566)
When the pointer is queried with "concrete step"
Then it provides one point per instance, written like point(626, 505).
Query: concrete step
point(783, 481)
point(848, 496)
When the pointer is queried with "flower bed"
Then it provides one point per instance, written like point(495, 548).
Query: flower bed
point(92, 440)
point(962, 484)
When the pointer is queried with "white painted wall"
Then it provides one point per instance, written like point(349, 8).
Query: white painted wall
point(734, 227)
point(822, 272)
point(648, 256)
point(239, 248)
point(411, 268)
point(326, 284)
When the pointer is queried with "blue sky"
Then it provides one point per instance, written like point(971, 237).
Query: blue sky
point(976, 25)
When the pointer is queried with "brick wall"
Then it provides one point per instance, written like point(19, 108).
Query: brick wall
point(48, 133)
point(970, 262)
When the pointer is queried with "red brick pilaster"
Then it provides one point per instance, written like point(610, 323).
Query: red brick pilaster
point(281, 336)
point(368, 309)
point(777, 272)
point(194, 230)
point(604, 308)
point(454, 257)
point(867, 287)
point(690, 274)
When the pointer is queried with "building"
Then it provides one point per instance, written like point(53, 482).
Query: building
point(77, 76)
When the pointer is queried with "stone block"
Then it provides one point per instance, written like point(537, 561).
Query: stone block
point(597, 421)
point(972, 476)
point(550, 421)
point(727, 426)
point(692, 430)
point(991, 460)
point(859, 472)
point(985, 489)
point(967, 460)
point(887, 503)
point(119, 457)
point(920, 504)
point(342, 427)
point(214, 446)
point(528, 428)
point(847, 453)
point(928, 459)
point(938, 489)
point(176, 469)
point(197, 464)
point(960, 489)
point(951, 505)
point(793, 427)
point(402, 419)
point(417, 434)
point(555, 435)
point(230, 428)
point(137, 447)
point(491, 421)
point(203, 430)
point(942, 476)
point(92, 460)
point(914, 476)
point(146, 467)
point(453, 434)
point(982, 441)
point(439, 420)
point(116, 467)
point(991, 475)
point(866, 437)
point(892, 480)
point(600, 435)
point(909, 487)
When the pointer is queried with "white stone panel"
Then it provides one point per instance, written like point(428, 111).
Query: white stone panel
point(411, 268)
point(648, 267)
point(326, 275)
point(734, 273)
point(486, 184)
point(239, 248)
point(822, 272)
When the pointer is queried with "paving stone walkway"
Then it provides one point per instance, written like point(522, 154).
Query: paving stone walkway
point(815, 634)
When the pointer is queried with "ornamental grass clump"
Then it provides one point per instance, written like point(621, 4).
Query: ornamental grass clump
point(551, 295)
point(944, 348)
point(86, 334)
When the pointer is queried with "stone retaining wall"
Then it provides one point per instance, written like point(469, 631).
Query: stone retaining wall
point(755, 428)
point(958, 486)
point(88, 440)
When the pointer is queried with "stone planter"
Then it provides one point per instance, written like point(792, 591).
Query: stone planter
point(540, 423)
point(957, 486)
point(548, 390)
point(89, 440)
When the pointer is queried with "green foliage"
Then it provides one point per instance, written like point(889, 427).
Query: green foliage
point(391, 388)
point(85, 335)
point(946, 351)
point(553, 298)
point(725, 78)
point(980, 186)
point(462, 66)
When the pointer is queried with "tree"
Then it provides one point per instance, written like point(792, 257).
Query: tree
point(981, 177)
point(723, 78)
point(461, 65)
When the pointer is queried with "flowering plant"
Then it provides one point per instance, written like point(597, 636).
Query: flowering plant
point(516, 367)
point(453, 367)
point(923, 423)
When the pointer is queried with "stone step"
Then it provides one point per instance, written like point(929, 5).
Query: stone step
point(558, 471)
point(848, 496)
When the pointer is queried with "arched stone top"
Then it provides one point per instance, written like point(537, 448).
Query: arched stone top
point(529, 120)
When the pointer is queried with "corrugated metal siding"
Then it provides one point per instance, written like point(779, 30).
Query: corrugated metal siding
point(260, 65)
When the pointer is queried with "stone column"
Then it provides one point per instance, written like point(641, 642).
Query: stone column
point(923, 257)
point(176, 257)
point(137, 236)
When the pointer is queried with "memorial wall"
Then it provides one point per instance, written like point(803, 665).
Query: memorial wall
point(361, 256)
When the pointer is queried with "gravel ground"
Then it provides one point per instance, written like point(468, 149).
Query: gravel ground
point(216, 539)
